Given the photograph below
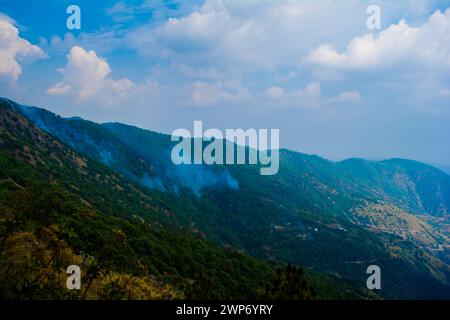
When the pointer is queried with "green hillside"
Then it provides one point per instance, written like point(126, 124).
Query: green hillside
point(59, 208)
point(331, 218)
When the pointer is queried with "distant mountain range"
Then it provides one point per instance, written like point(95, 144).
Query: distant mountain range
point(333, 219)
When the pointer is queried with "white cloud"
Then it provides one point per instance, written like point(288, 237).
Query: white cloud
point(261, 43)
point(311, 90)
point(204, 93)
point(122, 12)
point(87, 76)
point(287, 77)
point(250, 34)
point(59, 89)
point(275, 92)
point(307, 97)
point(13, 49)
point(428, 44)
point(194, 73)
point(261, 34)
point(347, 97)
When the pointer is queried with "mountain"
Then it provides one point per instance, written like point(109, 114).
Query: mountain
point(332, 218)
point(59, 208)
point(145, 156)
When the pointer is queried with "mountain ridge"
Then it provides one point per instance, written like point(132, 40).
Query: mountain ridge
point(114, 123)
point(315, 212)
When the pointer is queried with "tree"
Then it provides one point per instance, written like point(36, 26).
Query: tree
point(290, 284)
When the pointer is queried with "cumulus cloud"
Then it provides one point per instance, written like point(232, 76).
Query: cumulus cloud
point(14, 49)
point(260, 41)
point(88, 76)
point(347, 97)
point(251, 34)
point(428, 44)
point(260, 34)
point(307, 97)
point(204, 93)
point(311, 90)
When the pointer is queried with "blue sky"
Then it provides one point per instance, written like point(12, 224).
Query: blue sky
point(310, 68)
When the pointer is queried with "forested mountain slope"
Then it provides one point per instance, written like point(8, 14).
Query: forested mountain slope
point(333, 217)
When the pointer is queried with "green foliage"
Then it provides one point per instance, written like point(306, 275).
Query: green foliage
point(117, 225)
point(290, 284)
point(36, 251)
